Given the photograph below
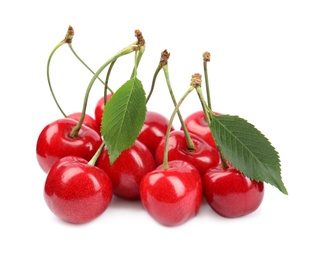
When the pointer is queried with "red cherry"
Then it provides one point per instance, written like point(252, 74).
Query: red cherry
point(127, 170)
point(196, 123)
point(230, 193)
point(172, 196)
point(76, 191)
point(153, 130)
point(55, 142)
point(88, 120)
point(99, 108)
point(203, 157)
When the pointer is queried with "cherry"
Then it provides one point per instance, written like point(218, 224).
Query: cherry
point(153, 130)
point(203, 157)
point(88, 120)
point(230, 193)
point(128, 169)
point(77, 192)
point(55, 142)
point(196, 123)
point(172, 196)
point(99, 108)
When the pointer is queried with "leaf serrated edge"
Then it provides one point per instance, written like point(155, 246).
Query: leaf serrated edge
point(278, 182)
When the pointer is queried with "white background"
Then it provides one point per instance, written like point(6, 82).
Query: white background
point(259, 70)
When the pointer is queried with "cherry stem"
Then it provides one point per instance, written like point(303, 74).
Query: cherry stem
point(138, 55)
point(134, 71)
point(206, 109)
point(189, 141)
point(139, 52)
point(48, 75)
point(208, 115)
point(206, 58)
point(194, 84)
point(75, 54)
point(159, 67)
point(107, 80)
point(93, 160)
point(223, 162)
point(125, 51)
point(163, 61)
point(68, 39)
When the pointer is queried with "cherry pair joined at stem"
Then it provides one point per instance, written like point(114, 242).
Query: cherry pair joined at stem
point(67, 136)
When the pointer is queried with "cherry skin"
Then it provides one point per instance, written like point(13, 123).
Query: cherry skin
point(203, 157)
point(230, 193)
point(196, 123)
point(172, 196)
point(99, 108)
point(77, 192)
point(127, 170)
point(88, 120)
point(54, 142)
point(153, 130)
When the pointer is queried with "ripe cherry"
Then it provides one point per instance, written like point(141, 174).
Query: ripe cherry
point(196, 123)
point(172, 196)
point(230, 193)
point(203, 157)
point(88, 120)
point(99, 108)
point(153, 130)
point(128, 169)
point(77, 192)
point(55, 142)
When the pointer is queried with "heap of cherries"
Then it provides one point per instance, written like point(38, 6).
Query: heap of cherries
point(128, 151)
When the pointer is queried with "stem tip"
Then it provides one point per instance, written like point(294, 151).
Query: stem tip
point(206, 56)
point(164, 58)
point(69, 35)
point(196, 80)
point(141, 41)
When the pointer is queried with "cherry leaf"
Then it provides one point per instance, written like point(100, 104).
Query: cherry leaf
point(247, 149)
point(123, 117)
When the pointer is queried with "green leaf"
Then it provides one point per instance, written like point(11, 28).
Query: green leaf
point(247, 149)
point(123, 117)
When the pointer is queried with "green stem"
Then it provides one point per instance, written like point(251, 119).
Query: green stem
point(124, 51)
point(206, 109)
point(223, 161)
point(208, 115)
point(159, 67)
point(163, 61)
point(139, 51)
point(107, 80)
point(138, 56)
point(75, 54)
point(48, 75)
point(206, 59)
point(175, 111)
point(189, 141)
point(134, 71)
point(96, 155)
